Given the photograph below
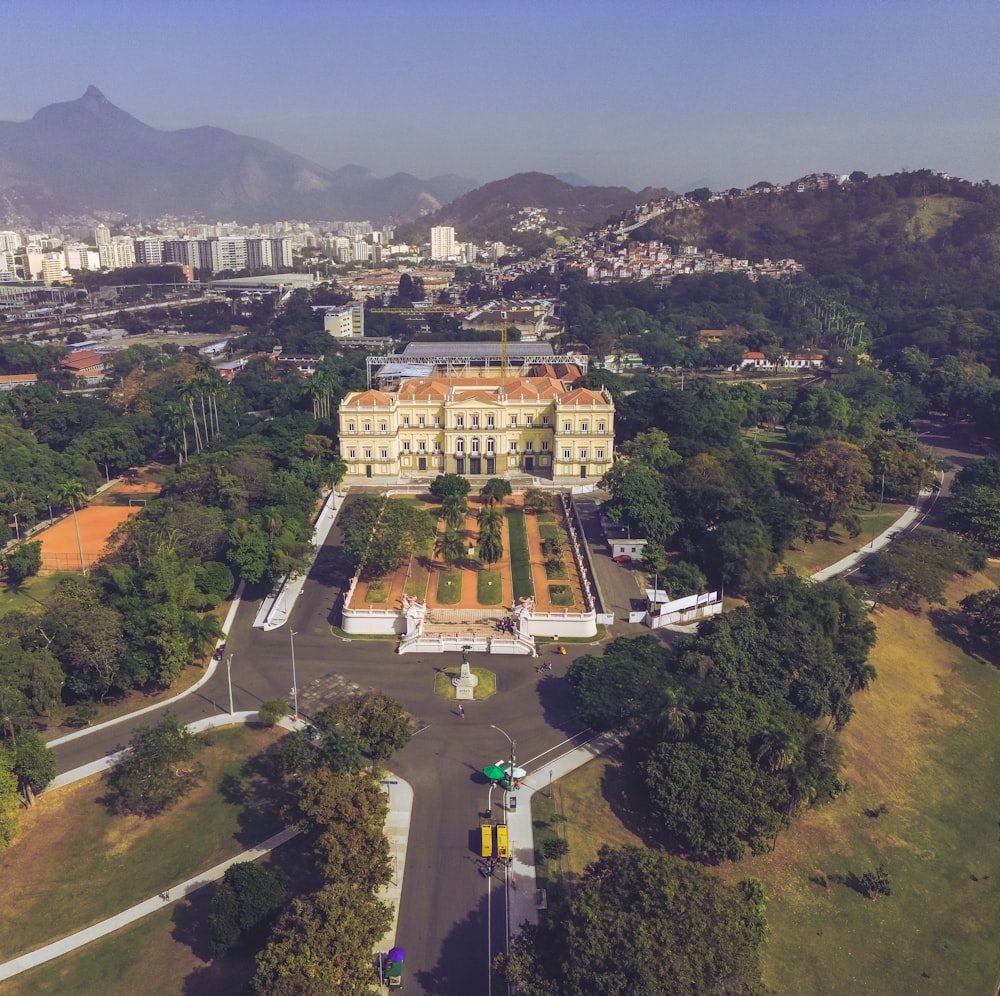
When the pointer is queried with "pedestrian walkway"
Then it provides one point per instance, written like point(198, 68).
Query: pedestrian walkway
point(275, 609)
point(397, 829)
point(523, 903)
point(852, 560)
point(179, 891)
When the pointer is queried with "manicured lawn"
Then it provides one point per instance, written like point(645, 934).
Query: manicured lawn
point(75, 864)
point(550, 532)
point(487, 682)
point(449, 587)
point(416, 583)
point(561, 595)
point(556, 572)
point(378, 591)
point(520, 557)
point(489, 587)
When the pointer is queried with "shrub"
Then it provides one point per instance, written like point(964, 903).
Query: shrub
point(554, 848)
point(561, 594)
point(876, 883)
point(272, 711)
point(215, 579)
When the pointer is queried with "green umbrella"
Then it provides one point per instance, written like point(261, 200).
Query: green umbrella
point(493, 773)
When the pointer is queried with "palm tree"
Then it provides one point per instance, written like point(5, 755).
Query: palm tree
point(454, 508)
point(187, 393)
point(175, 418)
point(451, 547)
point(777, 750)
point(860, 677)
point(678, 719)
point(72, 493)
point(203, 632)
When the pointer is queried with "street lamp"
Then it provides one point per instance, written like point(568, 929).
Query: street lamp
point(295, 685)
point(510, 773)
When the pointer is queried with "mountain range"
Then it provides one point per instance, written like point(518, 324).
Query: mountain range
point(87, 156)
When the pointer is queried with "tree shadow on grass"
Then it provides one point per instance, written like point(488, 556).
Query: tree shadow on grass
point(950, 625)
point(297, 864)
point(622, 791)
point(258, 791)
point(190, 922)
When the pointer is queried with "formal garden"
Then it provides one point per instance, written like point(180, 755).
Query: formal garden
point(458, 551)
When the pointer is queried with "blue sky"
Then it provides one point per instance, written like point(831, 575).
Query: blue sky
point(674, 93)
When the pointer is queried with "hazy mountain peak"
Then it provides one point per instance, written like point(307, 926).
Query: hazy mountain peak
point(92, 98)
point(88, 155)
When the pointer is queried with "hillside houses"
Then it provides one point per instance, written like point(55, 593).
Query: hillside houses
point(790, 361)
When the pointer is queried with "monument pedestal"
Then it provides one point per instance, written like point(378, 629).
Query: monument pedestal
point(466, 682)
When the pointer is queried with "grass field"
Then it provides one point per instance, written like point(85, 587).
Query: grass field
point(520, 557)
point(33, 595)
point(807, 558)
point(579, 808)
point(489, 587)
point(923, 743)
point(487, 682)
point(449, 587)
point(158, 954)
point(75, 864)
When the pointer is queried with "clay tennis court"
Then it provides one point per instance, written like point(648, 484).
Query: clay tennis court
point(60, 550)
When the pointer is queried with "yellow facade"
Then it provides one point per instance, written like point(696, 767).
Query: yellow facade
point(489, 427)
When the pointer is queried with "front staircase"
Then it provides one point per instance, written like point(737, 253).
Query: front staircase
point(451, 630)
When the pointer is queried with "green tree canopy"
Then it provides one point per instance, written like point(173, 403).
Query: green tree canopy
point(640, 923)
point(158, 768)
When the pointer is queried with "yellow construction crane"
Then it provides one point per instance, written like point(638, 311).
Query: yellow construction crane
point(503, 343)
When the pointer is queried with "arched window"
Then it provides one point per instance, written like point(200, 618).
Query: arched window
point(475, 444)
point(460, 445)
point(490, 445)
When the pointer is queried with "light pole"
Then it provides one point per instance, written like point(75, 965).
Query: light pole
point(510, 772)
point(295, 685)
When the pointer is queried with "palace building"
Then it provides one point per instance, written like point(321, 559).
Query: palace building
point(462, 408)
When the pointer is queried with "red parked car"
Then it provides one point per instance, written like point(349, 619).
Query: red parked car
point(623, 558)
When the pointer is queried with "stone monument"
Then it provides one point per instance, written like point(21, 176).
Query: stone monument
point(466, 682)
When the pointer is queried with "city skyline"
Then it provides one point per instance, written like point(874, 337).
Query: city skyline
point(720, 93)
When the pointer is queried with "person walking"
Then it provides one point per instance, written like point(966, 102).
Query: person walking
point(461, 711)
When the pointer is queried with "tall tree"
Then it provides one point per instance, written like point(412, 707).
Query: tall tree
point(834, 476)
point(72, 493)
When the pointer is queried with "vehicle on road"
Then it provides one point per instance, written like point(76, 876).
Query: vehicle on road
point(622, 558)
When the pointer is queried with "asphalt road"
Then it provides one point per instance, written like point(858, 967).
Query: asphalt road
point(452, 919)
